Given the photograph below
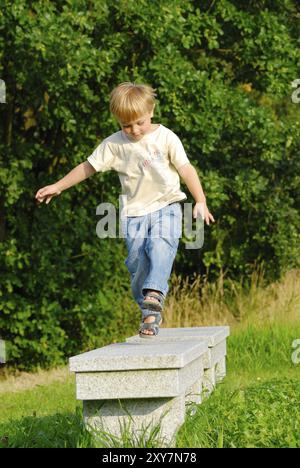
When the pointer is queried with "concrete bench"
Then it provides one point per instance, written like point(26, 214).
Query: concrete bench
point(214, 361)
point(139, 385)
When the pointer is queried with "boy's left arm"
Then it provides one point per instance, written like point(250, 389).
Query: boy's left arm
point(189, 175)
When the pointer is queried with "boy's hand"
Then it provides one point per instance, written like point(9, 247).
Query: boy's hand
point(200, 208)
point(47, 193)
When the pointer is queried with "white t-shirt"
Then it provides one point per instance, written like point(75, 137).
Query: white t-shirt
point(147, 168)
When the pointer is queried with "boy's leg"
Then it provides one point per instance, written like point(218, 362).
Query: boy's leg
point(152, 243)
point(137, 261)
point(161, 247)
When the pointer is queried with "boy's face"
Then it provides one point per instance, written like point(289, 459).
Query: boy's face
point(136, 129)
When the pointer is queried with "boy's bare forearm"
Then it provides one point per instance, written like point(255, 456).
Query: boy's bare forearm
point(189, 175)
point(76, 175)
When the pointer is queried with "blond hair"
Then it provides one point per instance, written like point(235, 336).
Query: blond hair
point(129, 101)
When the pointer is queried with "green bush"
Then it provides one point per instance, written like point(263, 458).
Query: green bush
point(223, 74)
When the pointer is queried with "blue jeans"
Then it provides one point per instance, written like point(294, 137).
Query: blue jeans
point(152, 241)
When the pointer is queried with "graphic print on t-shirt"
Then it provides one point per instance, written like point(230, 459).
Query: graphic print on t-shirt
point(150, 157)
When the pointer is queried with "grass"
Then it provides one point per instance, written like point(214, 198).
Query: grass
point(261, 414)
point(255, 406)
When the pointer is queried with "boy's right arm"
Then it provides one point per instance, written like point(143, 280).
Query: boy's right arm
point(76, 175)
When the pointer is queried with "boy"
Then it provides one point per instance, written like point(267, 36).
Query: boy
point(149, 159)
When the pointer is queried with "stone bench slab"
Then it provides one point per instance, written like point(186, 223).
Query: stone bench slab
point(132, 370)
point(214, 361)
point(213, 335)
point(150, 383)
point(134, 356)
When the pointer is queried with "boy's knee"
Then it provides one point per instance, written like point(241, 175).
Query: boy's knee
point(162, 246)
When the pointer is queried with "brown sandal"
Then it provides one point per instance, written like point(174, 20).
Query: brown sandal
point(154, 305)
point(153, 326)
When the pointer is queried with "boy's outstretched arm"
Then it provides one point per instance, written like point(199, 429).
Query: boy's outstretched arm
point(76, 175)
point(189, 175)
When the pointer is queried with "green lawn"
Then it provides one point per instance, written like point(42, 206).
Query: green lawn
point(257, 405)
